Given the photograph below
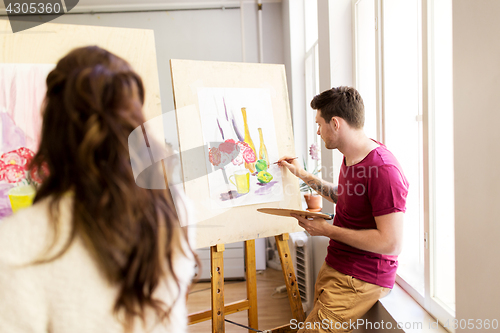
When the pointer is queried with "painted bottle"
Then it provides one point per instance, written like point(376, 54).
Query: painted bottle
point(248, 140)
point(263, 150)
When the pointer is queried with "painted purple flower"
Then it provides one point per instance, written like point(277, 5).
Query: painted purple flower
point(236, 129)
point(225, 108)
point(314, 152)
point(220, 129)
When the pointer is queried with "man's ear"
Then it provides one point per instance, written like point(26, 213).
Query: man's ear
point(335, 123)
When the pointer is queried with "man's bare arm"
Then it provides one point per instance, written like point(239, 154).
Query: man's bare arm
point(326, 189)
point(387, 238)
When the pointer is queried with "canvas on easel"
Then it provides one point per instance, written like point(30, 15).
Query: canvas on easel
point(236, 117)
point(25, 61)
point(239, 115)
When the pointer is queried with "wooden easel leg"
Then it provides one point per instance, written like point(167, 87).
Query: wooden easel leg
point(251, 273)
point(217, 286)
point(290, 279)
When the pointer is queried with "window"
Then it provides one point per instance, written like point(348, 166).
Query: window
point(311, 74)
point(366, 64)
point(403, 71)
point(402, 113)
point(442, 219)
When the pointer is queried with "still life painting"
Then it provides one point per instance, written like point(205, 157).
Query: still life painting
point(22, 90)
point(238, 129)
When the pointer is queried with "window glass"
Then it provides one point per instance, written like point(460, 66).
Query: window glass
point(366, 81)
point(443, 219)
point(403, 123)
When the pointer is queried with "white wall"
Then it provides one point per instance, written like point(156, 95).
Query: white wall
point(335, 69)
point(294, 50)
point(213, 35)
point(476, 81)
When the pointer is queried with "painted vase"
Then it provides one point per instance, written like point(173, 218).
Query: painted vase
point(263, 150)
point(248, 140)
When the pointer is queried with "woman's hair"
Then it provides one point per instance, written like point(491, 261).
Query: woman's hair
point(94, 101)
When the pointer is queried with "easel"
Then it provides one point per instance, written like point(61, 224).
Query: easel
point(219, 310)
point(189, 77)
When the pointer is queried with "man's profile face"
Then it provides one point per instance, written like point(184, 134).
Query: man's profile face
point(325, 131)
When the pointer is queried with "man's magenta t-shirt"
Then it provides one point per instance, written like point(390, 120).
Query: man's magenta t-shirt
point(373, 187)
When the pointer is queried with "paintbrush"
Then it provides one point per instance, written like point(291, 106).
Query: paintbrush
point(288, 160)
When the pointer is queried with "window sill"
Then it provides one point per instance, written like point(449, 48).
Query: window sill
point(406, 311)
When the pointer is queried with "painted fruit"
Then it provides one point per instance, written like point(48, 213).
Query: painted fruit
point(261, 165)
point(264, 177)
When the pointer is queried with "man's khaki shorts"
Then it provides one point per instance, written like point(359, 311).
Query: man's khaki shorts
point(339, 300)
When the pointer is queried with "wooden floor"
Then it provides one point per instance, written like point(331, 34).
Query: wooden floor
point(274, 310)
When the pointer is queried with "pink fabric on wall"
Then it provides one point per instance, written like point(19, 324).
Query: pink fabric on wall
point(22, 90)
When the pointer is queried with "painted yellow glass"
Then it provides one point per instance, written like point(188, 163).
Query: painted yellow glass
point(21, 197)
point(241, 181)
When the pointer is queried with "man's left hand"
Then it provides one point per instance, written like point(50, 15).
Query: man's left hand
point(314, 226)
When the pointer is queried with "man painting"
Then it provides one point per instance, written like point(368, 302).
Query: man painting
point(367, 231)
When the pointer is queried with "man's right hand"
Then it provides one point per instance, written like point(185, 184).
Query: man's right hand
point(292, 164)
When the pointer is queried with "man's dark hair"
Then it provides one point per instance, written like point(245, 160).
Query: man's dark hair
point(343, 102)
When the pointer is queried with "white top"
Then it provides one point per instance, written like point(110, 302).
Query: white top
point(70, 294)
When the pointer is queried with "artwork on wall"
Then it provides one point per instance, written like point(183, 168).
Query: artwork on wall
point(238, 127)
point(22, 90)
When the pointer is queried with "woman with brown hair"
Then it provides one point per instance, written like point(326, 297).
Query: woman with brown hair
point(95, 253)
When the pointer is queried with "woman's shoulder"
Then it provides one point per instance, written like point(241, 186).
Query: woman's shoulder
point(22, 238)
point(24, 235)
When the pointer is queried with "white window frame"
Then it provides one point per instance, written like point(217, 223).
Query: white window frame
point(379, 61)
point(311, 130)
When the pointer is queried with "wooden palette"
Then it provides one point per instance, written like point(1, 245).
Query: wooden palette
point(286, 212)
